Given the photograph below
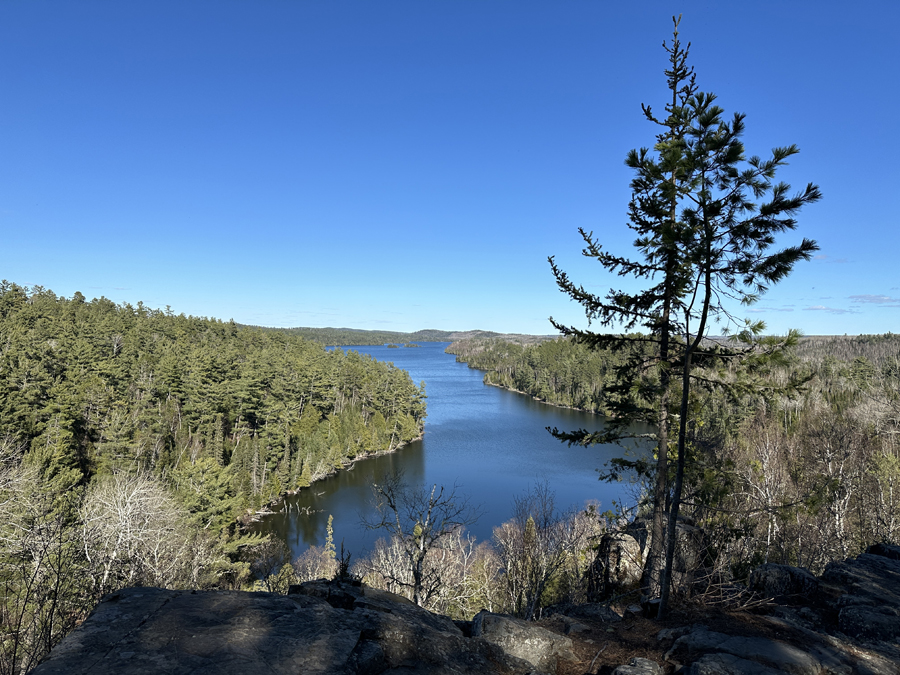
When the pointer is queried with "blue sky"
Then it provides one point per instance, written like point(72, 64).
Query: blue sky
point(406, 165)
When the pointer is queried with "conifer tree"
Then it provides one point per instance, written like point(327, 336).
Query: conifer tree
point(706, 218)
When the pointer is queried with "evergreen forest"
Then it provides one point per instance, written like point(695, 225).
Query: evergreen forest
point(559, 372)
point(133, 442)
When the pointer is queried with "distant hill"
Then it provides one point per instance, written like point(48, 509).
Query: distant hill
point(352, 336)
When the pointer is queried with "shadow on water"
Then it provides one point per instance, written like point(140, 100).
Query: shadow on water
point(303, 517)
point(490, 442)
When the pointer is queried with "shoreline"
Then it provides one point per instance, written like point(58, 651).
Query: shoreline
point(525, 393)
point(256, 516)
point(542, 400)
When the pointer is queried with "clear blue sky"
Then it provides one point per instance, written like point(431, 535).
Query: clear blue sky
point(405, 165)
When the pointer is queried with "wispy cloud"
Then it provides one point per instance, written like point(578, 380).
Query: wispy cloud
point(830, 310)
point(824, 257)
point(762, 310)
point(875, 299)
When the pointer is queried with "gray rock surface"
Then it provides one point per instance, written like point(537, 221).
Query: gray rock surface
point(573, 626)
point(869, 607)
point(783, 582)
point(862, 592)
point(770, 653)
point(618, 565)
point(538, 646)
point(639, 666)
point(710, 653)
point(728, 664)
point(150, 630)
point(849, 626)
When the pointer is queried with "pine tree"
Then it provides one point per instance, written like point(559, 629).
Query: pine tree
point(329, 538)
point(704, 229)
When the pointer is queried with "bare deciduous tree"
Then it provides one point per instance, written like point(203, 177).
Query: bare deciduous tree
point(134, 534)
point(315, 563)
point(419, 521)
point(41, 565)
point(535, 547)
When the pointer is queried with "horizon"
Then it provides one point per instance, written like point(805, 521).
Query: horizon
point(411, 332)
point(383, 167)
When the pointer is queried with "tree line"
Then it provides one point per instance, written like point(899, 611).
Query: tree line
point(132, 440)
point(561, 372)
point(354, 336)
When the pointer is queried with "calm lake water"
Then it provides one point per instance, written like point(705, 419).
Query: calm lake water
point(490, 442)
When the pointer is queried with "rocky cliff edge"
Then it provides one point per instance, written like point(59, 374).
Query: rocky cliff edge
point(845, 622)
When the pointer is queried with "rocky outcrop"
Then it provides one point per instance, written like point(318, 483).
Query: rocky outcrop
point(783, 583)
point(862, 593)
point(639, 666)
point(617, 566)
point(321, 627)
point(540, 647)
point(691, 546)
point(845, 623)
point(869, 604)
point(704, 647)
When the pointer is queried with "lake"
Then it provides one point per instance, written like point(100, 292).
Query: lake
point(491, 443)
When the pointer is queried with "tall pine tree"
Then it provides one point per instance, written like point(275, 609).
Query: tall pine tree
point(705, 218)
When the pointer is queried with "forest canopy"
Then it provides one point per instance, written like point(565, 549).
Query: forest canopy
point(93, 387)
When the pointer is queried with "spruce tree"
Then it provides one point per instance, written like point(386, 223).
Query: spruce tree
point(705, 218)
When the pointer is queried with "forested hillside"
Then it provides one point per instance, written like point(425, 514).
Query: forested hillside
point(560, 371)
point(132, 439)
point(92, 387)
point(353, 336)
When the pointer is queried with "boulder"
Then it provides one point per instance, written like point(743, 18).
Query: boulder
point(783, 582)
point(691, 543)
point(772, 654)
point(538, 646)
point(573, 626)
point(618, 565)
point(728, 664)
point(707, 652)
point(885, 550)
point(870, 623)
